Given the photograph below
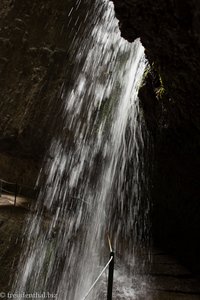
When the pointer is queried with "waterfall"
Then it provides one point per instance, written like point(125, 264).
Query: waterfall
point(92, 171)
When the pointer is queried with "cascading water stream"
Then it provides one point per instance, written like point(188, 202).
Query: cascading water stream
point(90, 189)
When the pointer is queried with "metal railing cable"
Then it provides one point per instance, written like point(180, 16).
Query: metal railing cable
point(8, 192)
point(93, 285)
point(14, 183)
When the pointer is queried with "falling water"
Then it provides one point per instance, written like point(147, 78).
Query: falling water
point(92, 172)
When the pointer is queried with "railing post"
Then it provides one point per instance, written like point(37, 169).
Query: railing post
point(110, 276)
point(16, 189)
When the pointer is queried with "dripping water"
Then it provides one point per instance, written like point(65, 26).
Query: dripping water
point(92, 173)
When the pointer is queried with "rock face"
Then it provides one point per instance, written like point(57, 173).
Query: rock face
point(30, 64)
point(34, 60)
point(170, 33)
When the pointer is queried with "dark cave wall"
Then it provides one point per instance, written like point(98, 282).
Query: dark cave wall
point(175, 185)
point(170, 33)
point(32, 59)
point(34, 62)
point(32, 56)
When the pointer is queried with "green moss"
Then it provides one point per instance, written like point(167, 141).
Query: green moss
point(146, 72)
point(160, 92)
point(145, 75)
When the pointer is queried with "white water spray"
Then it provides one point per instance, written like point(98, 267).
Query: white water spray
point(88, 191)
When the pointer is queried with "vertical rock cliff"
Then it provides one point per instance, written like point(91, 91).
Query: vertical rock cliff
point(170, 33)
point(34, 58)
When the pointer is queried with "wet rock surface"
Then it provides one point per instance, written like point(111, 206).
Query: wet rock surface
point(34, 61)
point(169, 31)
point(31, 73)
point(171, 37)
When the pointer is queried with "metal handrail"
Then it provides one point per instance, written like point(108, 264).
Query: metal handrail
point(93, 285)
point(2, 180)
point(16, 187)
point(110, 264)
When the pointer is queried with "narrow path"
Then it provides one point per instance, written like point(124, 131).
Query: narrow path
point(169, 280)
point(7, 200)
